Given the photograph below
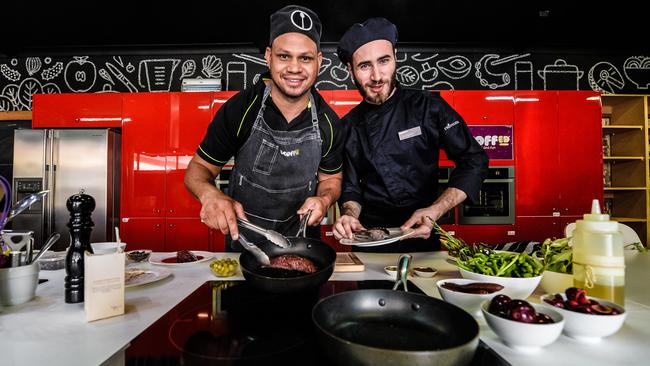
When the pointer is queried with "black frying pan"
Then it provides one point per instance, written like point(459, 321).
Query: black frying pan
point(384, 327)
point(317, 251)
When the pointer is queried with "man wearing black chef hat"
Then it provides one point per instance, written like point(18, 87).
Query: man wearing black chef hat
point(287, 142)
point(392, 147)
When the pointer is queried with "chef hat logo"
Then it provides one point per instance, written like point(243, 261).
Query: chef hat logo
point(301, 20)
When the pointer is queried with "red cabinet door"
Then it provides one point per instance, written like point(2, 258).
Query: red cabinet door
point(485, 107)
point(189, 234)
point(79, 110)
point(143, 233)
point(217, 241)
point(581, 155)
point(537, 184)
point(191, 114)
point(144, 136)
point(344, 100)
point(538, 228)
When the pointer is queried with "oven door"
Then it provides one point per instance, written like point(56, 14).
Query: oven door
point(496, 200)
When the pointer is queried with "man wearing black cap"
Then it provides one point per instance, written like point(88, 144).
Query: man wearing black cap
point(286, 140)
point(392, 147)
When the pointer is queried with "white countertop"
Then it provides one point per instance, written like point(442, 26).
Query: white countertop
point(50, 332)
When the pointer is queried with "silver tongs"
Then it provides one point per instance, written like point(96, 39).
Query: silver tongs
point(402, 271)
point(270, 235)
point(255, 250)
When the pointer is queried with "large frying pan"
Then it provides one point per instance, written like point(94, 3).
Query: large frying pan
point(384, 327)
point(318, 252)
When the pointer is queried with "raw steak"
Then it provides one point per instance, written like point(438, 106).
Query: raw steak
point(293, 262)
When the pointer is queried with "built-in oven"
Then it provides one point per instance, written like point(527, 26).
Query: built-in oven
point(443, 182)
point(496, 199)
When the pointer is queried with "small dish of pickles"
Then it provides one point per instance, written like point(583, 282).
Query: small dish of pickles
point(224, 267)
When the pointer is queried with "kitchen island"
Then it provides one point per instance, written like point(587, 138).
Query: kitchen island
point(47, 331)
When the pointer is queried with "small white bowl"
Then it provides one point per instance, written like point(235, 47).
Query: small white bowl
point(391, 270)
point(425, 271)
point(555, 282)
point(525, 337)
point(471, 303)
point(516, 288)
point(138, 255)
point(106, 247)
point(589, 328)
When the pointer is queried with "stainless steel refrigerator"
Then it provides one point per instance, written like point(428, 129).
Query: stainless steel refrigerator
point(66, 161)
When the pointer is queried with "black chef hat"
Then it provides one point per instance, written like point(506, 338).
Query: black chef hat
point(362, 33)
point(294, 18)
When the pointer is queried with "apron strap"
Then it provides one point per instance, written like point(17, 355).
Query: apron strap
point(260, 112)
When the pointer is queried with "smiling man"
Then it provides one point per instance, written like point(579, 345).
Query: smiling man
point(287, 142)
point(392, 147)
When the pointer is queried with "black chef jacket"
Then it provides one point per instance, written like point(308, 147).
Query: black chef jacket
point(391, 159)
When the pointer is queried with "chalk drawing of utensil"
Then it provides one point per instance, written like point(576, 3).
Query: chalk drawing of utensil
point(523, 75)
point(120, 76)
point(561, 76)
point(496, 79)
point(156, 74)
point(236, 75)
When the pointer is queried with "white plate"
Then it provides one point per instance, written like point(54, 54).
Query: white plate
point(160, 258)
point(394, 235)
point(144, 276)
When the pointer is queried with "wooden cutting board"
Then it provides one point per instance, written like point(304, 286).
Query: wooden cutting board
point(348, 262)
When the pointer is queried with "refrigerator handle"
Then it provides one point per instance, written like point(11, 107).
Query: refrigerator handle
point(51, 180)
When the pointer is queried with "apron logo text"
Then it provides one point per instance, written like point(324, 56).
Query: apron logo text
point(291, 153)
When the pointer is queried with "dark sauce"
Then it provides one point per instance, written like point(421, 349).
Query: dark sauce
point(173, 259)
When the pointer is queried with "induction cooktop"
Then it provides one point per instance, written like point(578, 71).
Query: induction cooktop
point(231, 323)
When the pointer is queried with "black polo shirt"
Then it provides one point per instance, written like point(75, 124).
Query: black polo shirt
point(392, 152)
point(233, 123)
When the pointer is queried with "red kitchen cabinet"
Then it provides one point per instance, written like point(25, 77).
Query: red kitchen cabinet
point(343, 101)
point(191, 113)
point(485, 107)
point(537, 228)
point(77, 110)
point(581, 155)
point(217, 241)
point(537, 186)
point(186, 234)
point(144, 133)
point(143, 233)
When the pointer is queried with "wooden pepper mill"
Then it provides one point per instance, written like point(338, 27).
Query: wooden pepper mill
point(81, 207)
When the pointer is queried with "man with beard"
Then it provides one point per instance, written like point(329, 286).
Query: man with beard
point(287, 142)
point(392, 147)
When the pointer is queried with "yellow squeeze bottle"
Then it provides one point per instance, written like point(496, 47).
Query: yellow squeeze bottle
point(598, 261)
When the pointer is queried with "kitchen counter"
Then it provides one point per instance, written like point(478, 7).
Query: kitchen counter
point(50, 332)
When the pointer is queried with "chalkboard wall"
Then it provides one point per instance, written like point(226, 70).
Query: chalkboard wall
point(20, 78)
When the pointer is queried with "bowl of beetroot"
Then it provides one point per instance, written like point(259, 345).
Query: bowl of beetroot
point(521, 325)
point(587, 319)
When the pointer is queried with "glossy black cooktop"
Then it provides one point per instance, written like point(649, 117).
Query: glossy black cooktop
point(231, 323)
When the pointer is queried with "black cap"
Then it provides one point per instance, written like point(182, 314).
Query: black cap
point(362, 33)
point(294, 18)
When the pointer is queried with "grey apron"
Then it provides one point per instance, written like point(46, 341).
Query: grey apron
point(274, 173)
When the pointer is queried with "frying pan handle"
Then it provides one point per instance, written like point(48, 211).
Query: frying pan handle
point(402, 271)
point(302, 228)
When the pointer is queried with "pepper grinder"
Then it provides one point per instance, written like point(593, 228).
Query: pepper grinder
point(81, 207)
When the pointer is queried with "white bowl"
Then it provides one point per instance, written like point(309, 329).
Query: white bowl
point(18, 284)
point(427, 272)
point(554, 282)
point(516, 288)
point(138, 255)
point(106, 247)
point(525, 337)
point(589, 328)
point(471, 303)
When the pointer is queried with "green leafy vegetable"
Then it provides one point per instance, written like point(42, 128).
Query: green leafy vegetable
point(557, 255)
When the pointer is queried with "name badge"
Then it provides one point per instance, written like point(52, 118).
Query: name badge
point(411, 132)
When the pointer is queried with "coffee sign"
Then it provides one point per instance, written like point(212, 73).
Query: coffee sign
point(496, 140)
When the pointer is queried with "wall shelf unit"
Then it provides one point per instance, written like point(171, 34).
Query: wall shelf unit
point(626, 176)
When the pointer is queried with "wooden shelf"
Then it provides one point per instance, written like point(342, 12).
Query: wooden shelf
point(625, 188)
point(622, 127)
point(623, 157)
point(628, 219)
